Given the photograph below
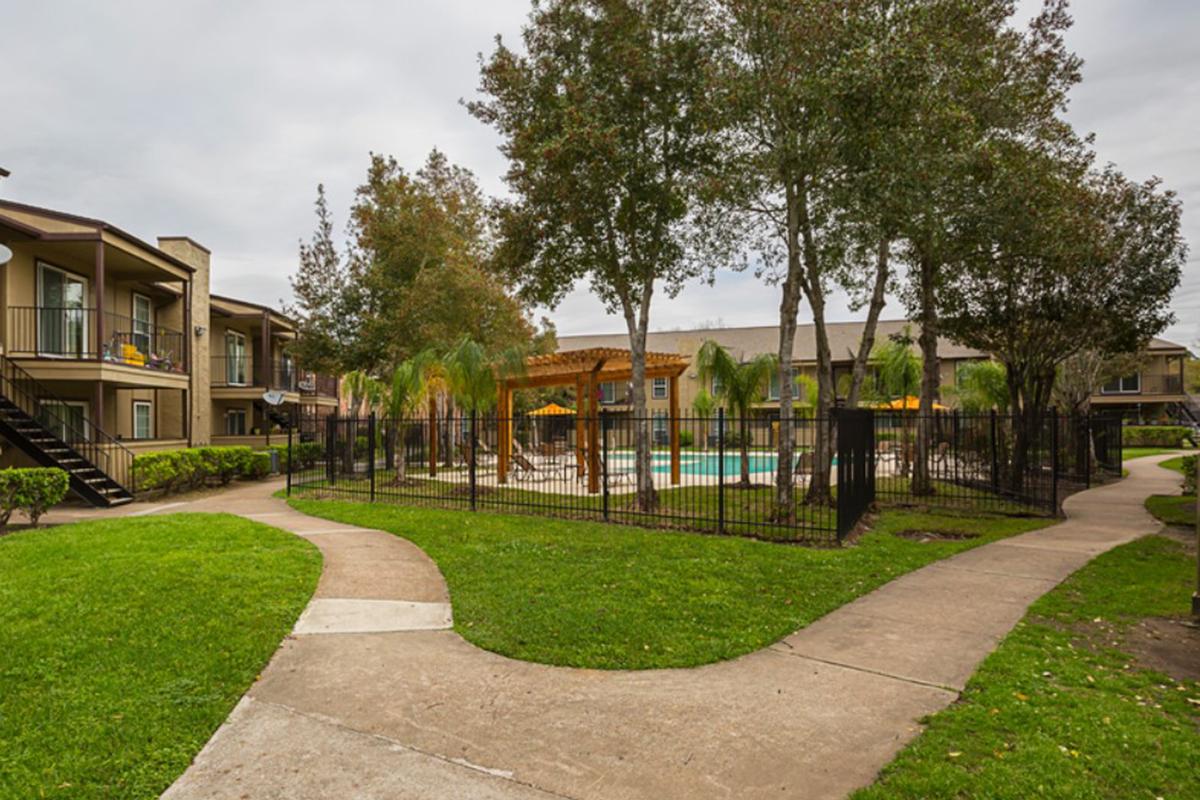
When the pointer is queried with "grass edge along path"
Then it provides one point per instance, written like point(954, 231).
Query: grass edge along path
point(1060, 709)
point(1173, 509)
point(125, 643)
point(590, 594)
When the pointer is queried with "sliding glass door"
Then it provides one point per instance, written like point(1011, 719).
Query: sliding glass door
point(62, 315)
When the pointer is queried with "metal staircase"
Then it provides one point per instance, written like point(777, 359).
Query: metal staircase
point(100, 467)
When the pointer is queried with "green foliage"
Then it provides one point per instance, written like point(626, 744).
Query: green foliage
point(981, 386)
point(1155, 435)
point(704, 404)
point(686, 438)
point(472, 372)
point(126, 642)
point(897, 369)
point(32, 490)
point(1188, 468)
point(257, 466)
point(170, 471)
point(738, 384)
point(305, 454)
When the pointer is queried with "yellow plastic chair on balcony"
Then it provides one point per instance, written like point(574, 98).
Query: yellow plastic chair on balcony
point(132, 356)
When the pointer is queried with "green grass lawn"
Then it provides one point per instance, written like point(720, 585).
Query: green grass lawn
point(1129, 453)
point(1061, 709)
point(1173, 510)
point(588, 594)
point(124, 643)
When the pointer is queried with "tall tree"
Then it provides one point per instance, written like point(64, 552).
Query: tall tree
point(1093, 269)
point(979, 80)
point(779, 79)
point(322, 309)
point(607, 122)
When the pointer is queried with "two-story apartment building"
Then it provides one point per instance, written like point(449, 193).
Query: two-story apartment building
point(107, 349)
point(1155, 392)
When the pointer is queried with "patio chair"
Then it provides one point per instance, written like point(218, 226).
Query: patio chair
point(526, 470)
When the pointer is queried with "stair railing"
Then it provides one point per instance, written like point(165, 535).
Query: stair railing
point(91, 442)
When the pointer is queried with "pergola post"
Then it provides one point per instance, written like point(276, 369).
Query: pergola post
point(674, 429)
point(593, 426)
point(504, 430)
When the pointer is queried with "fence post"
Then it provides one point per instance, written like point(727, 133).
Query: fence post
point(995, 456)
point(288, 467)
point(371, 453)
point(330, 446)
point(472, 450)
point(1087, 449)
point(720, 470)
point(604, 464)
point(1054, 460)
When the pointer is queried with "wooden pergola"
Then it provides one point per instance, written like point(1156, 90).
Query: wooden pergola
point(586, 370)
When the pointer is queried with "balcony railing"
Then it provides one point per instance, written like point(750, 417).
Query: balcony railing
point(242, 370)
point(70, 333)
point(313, 384)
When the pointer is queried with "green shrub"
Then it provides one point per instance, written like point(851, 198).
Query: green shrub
point(1189, 474)
point(180, 470)
point(306, 454)
point(1155, 435)
point(257, 466)
point(224, 463)
point(33, 491)
point(686, 439)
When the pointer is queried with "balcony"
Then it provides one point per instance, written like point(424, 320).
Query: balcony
point(1148, 384)
point(71, 334)
point(241, 371)
point(312, 384)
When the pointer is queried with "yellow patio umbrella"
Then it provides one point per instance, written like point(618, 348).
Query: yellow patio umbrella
point(552, 410)
point(909, 403)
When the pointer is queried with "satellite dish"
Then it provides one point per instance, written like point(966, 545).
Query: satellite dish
point(273, 397)
point(5, 255)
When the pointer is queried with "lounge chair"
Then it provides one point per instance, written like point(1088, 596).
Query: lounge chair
point(526, 470)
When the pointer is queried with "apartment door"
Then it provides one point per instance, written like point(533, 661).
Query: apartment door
point(235, 359)
point(62, 317)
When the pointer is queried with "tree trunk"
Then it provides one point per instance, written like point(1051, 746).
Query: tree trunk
point(400, 436)
point(874, 309)
point(921, 483)
point(637, 321)
point(820, 490)
point(789, 306)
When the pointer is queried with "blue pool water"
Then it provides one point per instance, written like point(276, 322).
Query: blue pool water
point(701, 463)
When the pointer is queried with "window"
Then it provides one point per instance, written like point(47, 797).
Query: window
point(658, 389)
point(143, 323)
point(66, 420)
point(1130, 384)
point(773, 387)
point(143, 420)
point(659, 428)
point(235, 358)
point(235, 422)
point(608, 393)
point(61, 316)
point(716, 386)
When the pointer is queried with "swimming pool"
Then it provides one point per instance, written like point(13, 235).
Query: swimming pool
point(700, 463)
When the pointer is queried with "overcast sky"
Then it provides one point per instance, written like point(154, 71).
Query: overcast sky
point(218, 120)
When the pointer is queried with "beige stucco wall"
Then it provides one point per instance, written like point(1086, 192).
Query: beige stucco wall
point(197, 257)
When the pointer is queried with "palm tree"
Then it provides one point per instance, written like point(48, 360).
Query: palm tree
point(403, 398)
point(471, 374)
point(704, 404)
point(897, 375)
point(738, 385)
point(981, 386)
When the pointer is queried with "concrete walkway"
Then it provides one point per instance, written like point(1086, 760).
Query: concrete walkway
point(374, 696)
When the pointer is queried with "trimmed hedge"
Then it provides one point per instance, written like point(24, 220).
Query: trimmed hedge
point(34, 490)
point(306, 454)
point(1189, 474)
point(1156, 436)
point(180, 470)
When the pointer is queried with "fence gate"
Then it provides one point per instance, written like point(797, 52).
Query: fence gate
point(855, 466)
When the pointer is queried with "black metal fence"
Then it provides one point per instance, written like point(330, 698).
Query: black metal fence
point(711, 474)
point(994, 462)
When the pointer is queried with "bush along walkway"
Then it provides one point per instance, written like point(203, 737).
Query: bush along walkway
point(381, 699)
